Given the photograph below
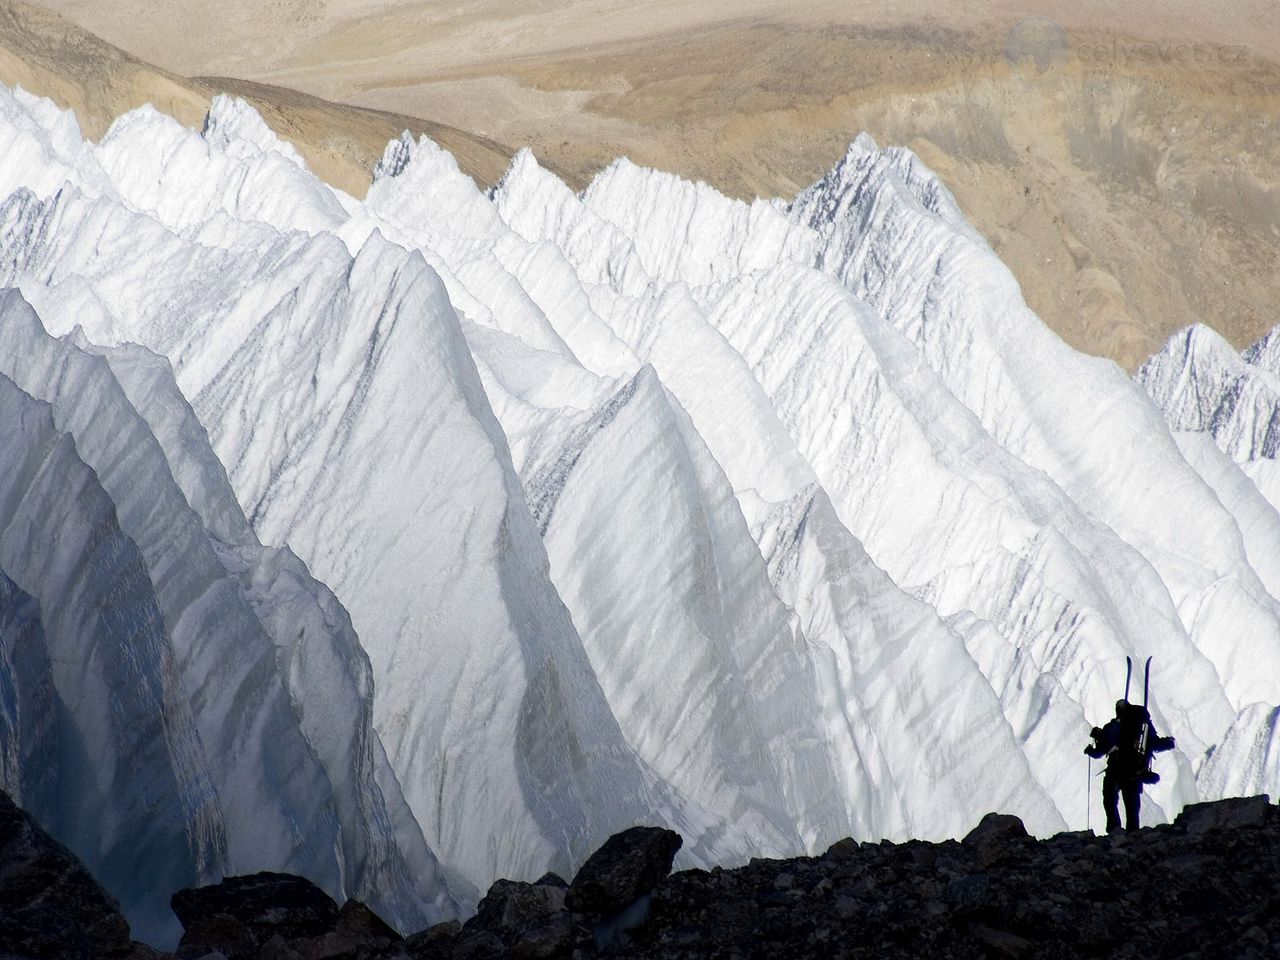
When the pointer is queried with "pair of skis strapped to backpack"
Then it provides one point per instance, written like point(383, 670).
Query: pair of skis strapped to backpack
point(1146, 679)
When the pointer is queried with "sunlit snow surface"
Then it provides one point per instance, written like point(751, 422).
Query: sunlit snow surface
point(773, 523)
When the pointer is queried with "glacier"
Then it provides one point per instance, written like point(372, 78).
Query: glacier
point(430, 538)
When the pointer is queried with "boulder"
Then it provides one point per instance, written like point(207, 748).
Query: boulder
point(998, 827)
point(628, 866)
point(220, 935)
point(359, 932)
point(356, 918)
point(843, 849)
point(476, 945)
point(50, 906)
point(435, 941)
point(529, 918)
point(554, 938)
point(1002, 942)
point(1229, 814)
point(995, 837)
point(241, 914)
point(511, 908)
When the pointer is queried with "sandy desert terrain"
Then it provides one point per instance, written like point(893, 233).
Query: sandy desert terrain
point(1124, 160)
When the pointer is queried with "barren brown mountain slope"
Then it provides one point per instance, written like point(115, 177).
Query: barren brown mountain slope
point(49, 56)
point(1123, 159)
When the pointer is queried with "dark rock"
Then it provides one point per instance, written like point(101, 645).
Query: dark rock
point(629, 865)
point(512, 908)
point(432, 942)
point(360, 933)
point(1188, 863)
point(1225, 814)
point(552, 939)
point(924, 854)
point(476, 945)
point(141, 951)
point(996, 827)
point(50, 906)
point(256, 908)
point(218, 934)
point(842, 849)
point(866, 885)
point(552, 880)
point(1001, 941)
point(969, 893)
point(1152, 893)
point(1205, 887)
point(278, 948)
point(356, 918)
point(995, 838)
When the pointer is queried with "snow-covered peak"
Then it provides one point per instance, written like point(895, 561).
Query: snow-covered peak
point(41, 147)
point(867, 168)
point(690, 232)
point(395, 157)
point(418, 180)
point(1265, 354)
point(1202, 384)
point(234, 127)
point(236, 167)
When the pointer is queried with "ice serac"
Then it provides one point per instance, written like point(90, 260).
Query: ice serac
point(254, 641)
point(678, 618)
point(28, 716)
point(909, 470)
point(41, 146)
point(614, 444)
point(1202, 384)
point(122, 780)
point(223, 665)
point(487, 657)
point(1247, 761)
point(892, 234)
point(1224, 409)
point(843, 606)
point(235, 167)
point(327, 378)
point(324, 669)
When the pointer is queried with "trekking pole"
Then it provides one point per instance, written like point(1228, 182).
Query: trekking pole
point(1088, 799)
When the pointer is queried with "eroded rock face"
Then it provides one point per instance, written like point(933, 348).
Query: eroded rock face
point(49, 904)
point(629, 865)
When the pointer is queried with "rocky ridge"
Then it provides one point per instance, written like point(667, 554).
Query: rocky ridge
point(1202, 886)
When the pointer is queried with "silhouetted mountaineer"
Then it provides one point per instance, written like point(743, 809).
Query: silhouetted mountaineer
point(1128, 742)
